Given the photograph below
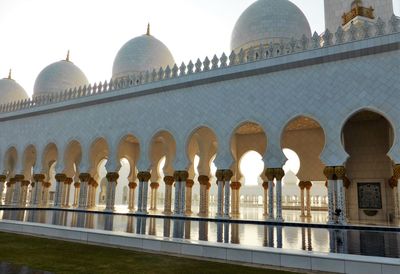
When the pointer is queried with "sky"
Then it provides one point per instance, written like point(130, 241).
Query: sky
point(38, 33)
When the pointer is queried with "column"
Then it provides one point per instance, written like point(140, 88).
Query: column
point(235, 186)
point(60, 178)
point(265, 187)
point(189, 189)
point(90, 191)
point(67, 190)
point(2, 183)
point(329, 172)
point(83, 192)
point(93, 194)
point(38, 189)
point(177, 196)
point(208, 198)
point(184, 175)
point(180, 191)
point(144, 178)
point(227, 184)
point(340, 172)
point(302, 205)
point(24, 192)
point(396, 177)
point(9, 191)
point(112, 178)
point(17, 190)
point(131, 204)
point(46, 194)
point(308, 186)
point(153, 195)
point(279, 173)
point(203, 180)
point(220, 184)
point(77, 192)
point(169, 181)
point(270, 175)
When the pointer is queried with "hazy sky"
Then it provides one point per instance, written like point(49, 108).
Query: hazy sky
point(37, 33)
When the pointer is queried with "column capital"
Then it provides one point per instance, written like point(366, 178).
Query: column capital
point(346, 182)
point(144, 176)
point(340, 171)
point(38, 177)
point(60, 177)
point(236, 185)
point(84, 177)
point(279, 173)
point(181, 175)
point(12, 180)
point(228, 174)
point(169, 180)
point(329, 172)
point(396, 171)
point(112, 176)
point(25, 183)
point(265, 185)
point(68, 181)
point(302, 185)
point(132, 185)
point(46, 184)
point(307, 185)
point(19, 177)
point(77, 184)
point(8, 184)
point(189, 183)
point(208, 185)
point(270, 173)
point(3, 178)
point(220, 175)
point(393, 182)
point(203, 179)
point(154, 185)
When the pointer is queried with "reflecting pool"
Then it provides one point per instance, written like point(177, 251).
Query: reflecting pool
point(361, 242)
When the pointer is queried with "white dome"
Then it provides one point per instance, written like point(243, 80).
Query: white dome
point(269, 21)
point(11, 91)
point(58, 77)
point(141, 54)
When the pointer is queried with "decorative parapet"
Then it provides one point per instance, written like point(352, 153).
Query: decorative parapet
point(254, 54)
point(358, 10)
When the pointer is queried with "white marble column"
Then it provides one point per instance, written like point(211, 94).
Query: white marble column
point(9, 192)
point(279, 173)
point(67, 190)
point(83, 193)
point(235, 187)
point(189, 188)
point(329, 174)
point(140, 197)
point(131, 198)
point(38, 189)
point(144, 177)
point(77, 191)
point(270, 175)
point(203, 180)
point(308, 200)
point(17, 190)
point(24, 192)
point(46, 194)
point(220, 184)
point(341, 195)
point(112, 178)
point(60, 178)
point(2, 184)
point(302, 205)
point(227, 195)
point(180, 191)
point(153, 195)
point(169, 181)
point(396, 195)
point(177, 197)
point(265, 187)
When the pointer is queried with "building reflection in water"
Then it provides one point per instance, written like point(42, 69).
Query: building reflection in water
point(188, 229)
point(203, 231)
point(152, 227)
point(109, 222)
point(130, 227)
point(141, 225)
point(223, 232)
point(167, 227)
point(179, 228)
point(235, 233)
point(89, 221)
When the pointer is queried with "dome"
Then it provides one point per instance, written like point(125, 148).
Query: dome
point(11, 91)
point(58, 77)
point(269, 21)
point(141, 54)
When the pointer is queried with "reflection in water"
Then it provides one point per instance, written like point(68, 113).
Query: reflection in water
point(383, 244)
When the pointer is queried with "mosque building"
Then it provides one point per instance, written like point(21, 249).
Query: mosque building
point(166, 137)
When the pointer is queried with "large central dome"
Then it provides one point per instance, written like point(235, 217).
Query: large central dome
point(141, 54)
point(269, 21)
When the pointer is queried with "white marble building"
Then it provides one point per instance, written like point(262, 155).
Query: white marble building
point(332, 98)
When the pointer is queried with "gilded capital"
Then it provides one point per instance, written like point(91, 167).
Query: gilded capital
point(346, 182)
point(19, 177)
point(220, 175)
point(396, 171)
point(154, 185)
point(84, 177)
point(46, 184)
point(189, 183)
point(68, 181)
point(132, 185)
point(393, 182)
point(25, 183)
point(144, 176)
point(60, 177)
point(169, 180)
point(203, 179)
point(279, 173)
point(270, 173)
point(308, 185)
point(38, 177)
point(329, 172)
point(3, 178)
point(228, 175)
point(340, 171)
point(265, 185)
point(112, 176)
point(181, 175)
point(236, 185)
point(12, 180)
point(77, 184)
point(302, 184)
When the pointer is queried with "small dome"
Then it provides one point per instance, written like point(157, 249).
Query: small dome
point(11, 91)
point(141, 54)
point(269, 21)
point(58, 77)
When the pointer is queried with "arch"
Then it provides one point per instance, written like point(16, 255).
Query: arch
point(305, 136)
point(162, 144)
point(251, 167)
point(98, 151)
point(72, 158)
point(10, 161)
point(49, 157)
point(202, 142)
point(367, 136)
point(29, 161)
point(247, 136)
point(129, 148)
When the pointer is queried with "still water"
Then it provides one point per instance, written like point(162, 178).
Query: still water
point(369, 243)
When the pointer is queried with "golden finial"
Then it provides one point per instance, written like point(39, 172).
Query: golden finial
point(148, 29)
point(67, 59)
point(9, 74)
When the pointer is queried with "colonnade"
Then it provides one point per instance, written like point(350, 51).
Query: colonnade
point(228, 193)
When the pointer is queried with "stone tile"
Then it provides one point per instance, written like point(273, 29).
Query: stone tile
point(154, 245)
point(328, 265)
point(171, 247)
point(192, 250)
point(390, 269)
point(352, 267)
point(293, 261)
point(266, 258)
point(214, 252)
point(239, 255)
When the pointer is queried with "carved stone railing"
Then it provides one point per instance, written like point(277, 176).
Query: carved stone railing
point(254, 54)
